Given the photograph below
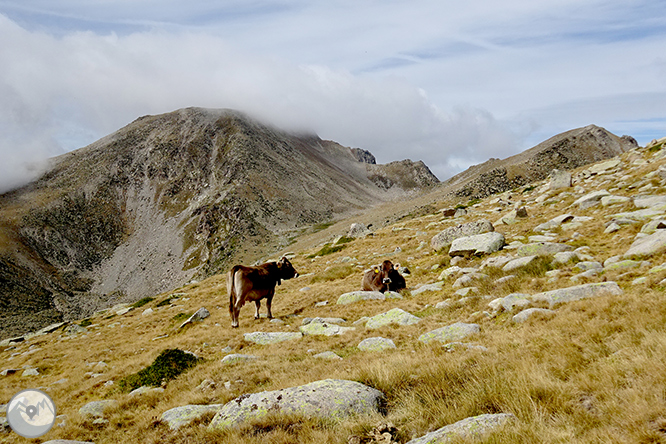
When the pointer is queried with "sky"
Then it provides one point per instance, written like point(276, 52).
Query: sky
point(447, 82)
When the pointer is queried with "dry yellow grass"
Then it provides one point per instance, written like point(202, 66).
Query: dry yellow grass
point(594, 372)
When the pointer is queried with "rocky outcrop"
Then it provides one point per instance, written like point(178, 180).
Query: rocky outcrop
point(331, 398)
point(469, 428)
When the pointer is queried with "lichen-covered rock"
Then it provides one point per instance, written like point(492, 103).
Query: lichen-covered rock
point(577, 292)
point(264, 338)
point(542, 249)
point(324, 329)
point(437, 286)
point(95, 409)
point(307, 321)
point(478, 244)
point(376, 344)
point(474, 427)
point(519, 263)
point(331, 399)
point(236, 357)
point(591, 199)
point(393, 316)
point(144, 390)
point(450, 333)
point(199, 316)
point(554, 222)
point(446, 237)
point(649, 245)
point(328, 355)
point(649, 201)
point(509, 302)
point(358, 296)
point(187, 414)
point(526, 314)
point(560, 179)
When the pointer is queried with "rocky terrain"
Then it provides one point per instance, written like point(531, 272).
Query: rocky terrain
point(533, 315)
point(171, 198)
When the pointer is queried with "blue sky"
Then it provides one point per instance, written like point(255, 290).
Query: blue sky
point(449, 83)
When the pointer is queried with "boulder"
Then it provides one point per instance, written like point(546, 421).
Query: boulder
point(446, 237)
point(519, 263)
point(614, 200)
point(649, 201)
point(560, 179)
point(591, 199)
point(554, 222)
point(200, 315)
point(95, 409)
point(358, 296)
point(376, 344)
point(328, 355)
point(236, 357)
point(328, 399)
point(512, 216)
point(653, 225)
point(603, 167)
point(542, 249)
point(509, 302)
point(437, 286)
point(394, 316)
point(470, 428)
point(358, 230)
point(450, 333)
point(180, 416)
point(264, 338)
point(526, 314)
point(144, 390)
point(577, 292)
point(324, 329)
point(649, 245)
point(486, 243)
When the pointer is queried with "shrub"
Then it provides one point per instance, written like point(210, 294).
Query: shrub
point(142, 302)
point(167, 366)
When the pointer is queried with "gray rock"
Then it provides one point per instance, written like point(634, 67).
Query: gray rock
point(653, 225)
point(74, 329)
point(307, 321)
point(144, 390)
point(358, 230)
point(446, 237)
point(95, 409)
point(324, 329)
point(450, 333)
point(509, 302)
point(437, 286)
point(479, 244)
point(50, 328)
point(560, 179)
point(591, 199)
point(649, 201)
point(187, 414)
point(614, 200)
point(649, 245)
point(588, 265)
point(519, 263)
point(30, 372)
point(393, 316)
point(469, 428)
point(542, 249)
point(513, 216)
point(329, 399)
point(448, 272)
point(577, 292)
point(9, 371)
point(646, 213)
point(236, 357)
point(603, 167)
point(358, 296)
point(496, 261)
point(612, 228)
point(328, 355)
point(623, 265)
point(376, 344)
point(200, 315)
point(526, 314)
point(554, 222)
point(564, 257)
point(264, 338)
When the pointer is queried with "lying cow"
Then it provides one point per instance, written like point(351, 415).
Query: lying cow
point(383, 277)
point(254, 284)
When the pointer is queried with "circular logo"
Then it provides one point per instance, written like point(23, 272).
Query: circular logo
point(31, 413)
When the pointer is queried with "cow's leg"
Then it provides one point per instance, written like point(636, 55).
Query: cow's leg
point(269, 301)
point(257, 305)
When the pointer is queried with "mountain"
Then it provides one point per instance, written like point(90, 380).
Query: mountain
point(170, 198)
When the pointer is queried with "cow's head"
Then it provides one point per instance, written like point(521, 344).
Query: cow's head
point(386, 267)
point(286, 270)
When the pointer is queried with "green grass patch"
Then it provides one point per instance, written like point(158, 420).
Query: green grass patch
point(328, 249)
point(85, 323)
point(334, 273)
point(181, 317)
point(344, 240)
point(142, 302)
point(322, 226)
point(167, 366)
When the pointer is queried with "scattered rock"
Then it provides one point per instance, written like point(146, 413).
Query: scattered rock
point(328, 355)
point(145, 390)
point(322, 328)
point(236, 357)
point(330, 399)
point(614, 200)
point(437, 286)
point(577, 292)
point(526, 314)
point(649, 245)
point(376, 344)
point(187, 414)
point(394, 316)
point(357, 296)
point(479, 244)
point(591, 199)
point(554, 222)
point(507, 303)
point(474, 427)
point(358, 230)
point(264, 338)
point(30, 372)
point(560, 179)
point(200, 315)
point(445, 238)
point(450, 333)
point(519, 263)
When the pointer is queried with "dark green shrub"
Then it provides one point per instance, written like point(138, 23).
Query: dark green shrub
point(167, 366)
point(142, 302)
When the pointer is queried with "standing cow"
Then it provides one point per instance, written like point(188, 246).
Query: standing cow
point(254, 284)
point(382, 278)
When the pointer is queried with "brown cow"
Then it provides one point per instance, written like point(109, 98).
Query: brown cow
point(254, 284)
point(377, 278)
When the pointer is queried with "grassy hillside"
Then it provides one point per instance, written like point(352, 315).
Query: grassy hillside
point(591, 372)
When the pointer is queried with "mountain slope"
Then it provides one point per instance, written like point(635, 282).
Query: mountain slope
point(169, 198)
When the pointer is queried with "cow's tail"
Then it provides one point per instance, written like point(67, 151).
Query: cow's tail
point(231, 289)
